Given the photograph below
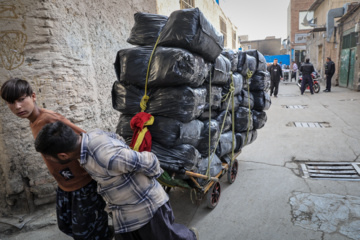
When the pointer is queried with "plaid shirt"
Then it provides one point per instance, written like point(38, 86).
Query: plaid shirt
point(126, 178)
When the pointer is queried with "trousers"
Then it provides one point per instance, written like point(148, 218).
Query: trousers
point(307, 80)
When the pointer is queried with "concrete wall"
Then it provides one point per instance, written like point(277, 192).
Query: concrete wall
point(66, 50)
point(210, 9)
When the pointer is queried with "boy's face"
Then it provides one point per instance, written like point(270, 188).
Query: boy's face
point(24, 106)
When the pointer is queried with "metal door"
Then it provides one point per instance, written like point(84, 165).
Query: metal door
point(344, 67)
point(351, 67)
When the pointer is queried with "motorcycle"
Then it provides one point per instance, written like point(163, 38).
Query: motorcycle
point(315, 78)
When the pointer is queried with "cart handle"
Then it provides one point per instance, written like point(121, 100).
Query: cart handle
point(188, 173)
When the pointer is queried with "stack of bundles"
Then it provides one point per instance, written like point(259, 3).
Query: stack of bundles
point(189, 82)
point(252, 98)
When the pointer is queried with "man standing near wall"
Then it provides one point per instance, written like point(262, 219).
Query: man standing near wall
point(306, 69)
point(275, 75)
point(294, 69)
point(329, 72)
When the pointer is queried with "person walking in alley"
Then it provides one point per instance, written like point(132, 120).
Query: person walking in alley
point(329, 72)
point(126, 178)
point(80, 209)
point(294, 69)
point(275, 76)
point(306, 69)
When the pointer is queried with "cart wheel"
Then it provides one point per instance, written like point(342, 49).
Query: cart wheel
point(213, 195)
point(232, 172)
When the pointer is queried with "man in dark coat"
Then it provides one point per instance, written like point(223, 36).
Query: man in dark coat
point(275, 75)
point(329, 72)
point(306, 69)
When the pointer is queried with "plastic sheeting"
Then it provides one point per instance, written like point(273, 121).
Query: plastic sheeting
point(216, 96)
point(224, 104)
point(221, 71)
point(227, 117)
point(246, 64)
point(126, 99)
point(169, 67)
point(262, 101)
point(260, 59)
point(203, 146)
point(205, 115)
point(189, 29)
point(225, 144)
point(260, 81)
point(190, 133)
point(259, 119)
point(146, 29)
point(243, 119)
point(233, 58)
point(181, 103)
point(123, 128)
point(238, 80)
point(244, 99)
point(177, 159)
point(215, 167)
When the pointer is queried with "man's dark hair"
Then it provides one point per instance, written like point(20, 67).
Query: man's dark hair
point(275, 59)
point(307, 60)
point(15, 88)
point(329, 58)
point(56, 138)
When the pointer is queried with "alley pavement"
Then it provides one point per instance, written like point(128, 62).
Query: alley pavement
point(270, 198)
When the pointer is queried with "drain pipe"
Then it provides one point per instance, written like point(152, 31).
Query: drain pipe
point(330, 22)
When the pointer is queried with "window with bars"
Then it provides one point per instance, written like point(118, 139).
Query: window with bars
point(187, 4)
point(233, 40)
point(223, 30)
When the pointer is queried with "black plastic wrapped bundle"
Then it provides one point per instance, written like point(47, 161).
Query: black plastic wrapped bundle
point(221, 71)
point(205, 115)
point(244, 99)
point(216, 96)
point(227, 116)
point(146, 29)
point(181, 103)
point(224, 104)
point(126, 99)
point(238, 84)
point(190, 133)
point(260, 59)
point(253, 136)
point(233, 58)
point(225, 144)
point(239, 142)
point(203, 146)
point(215, 167)
point(246, 83)
point(246, 64)
point(177, 159)
point(123, 128)
point(246, 137)
point(262, 100)
point(169, 67)
point(243, 119)
point(189, 29)
point(165, 131)
point(260, 81)
point(259, 119)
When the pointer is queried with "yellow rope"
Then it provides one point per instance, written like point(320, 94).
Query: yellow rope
point(248, 76)
point(145, 98)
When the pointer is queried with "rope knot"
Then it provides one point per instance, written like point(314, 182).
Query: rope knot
point(143, 102)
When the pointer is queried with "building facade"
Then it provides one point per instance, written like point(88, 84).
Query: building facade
point(299, 20)
point(66, 50)
point(267, 46)
point(349, 50)
point(323, 40)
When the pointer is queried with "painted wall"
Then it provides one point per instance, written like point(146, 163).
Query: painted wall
point(66, 50)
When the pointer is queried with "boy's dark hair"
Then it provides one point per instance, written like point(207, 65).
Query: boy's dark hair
point(307, 60)
point(56, 138)
point(15, 88)
point(329, 58)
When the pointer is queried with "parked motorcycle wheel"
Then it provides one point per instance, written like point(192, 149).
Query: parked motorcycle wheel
point(316, 88)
